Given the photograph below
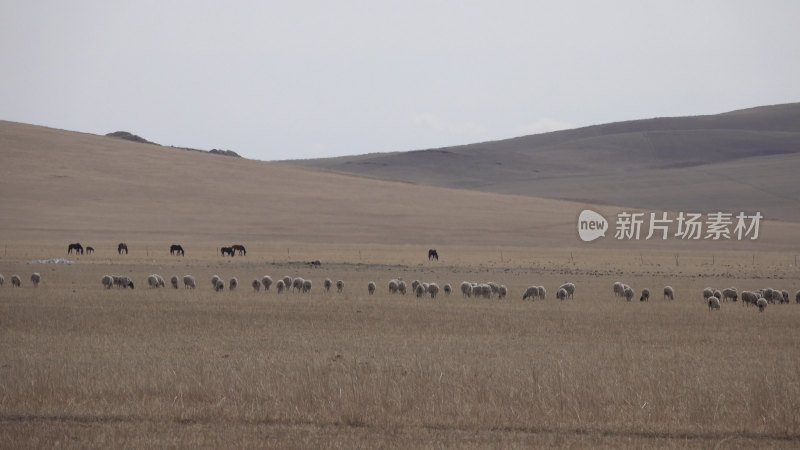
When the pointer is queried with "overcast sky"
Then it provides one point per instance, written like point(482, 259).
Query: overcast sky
point(282, 80)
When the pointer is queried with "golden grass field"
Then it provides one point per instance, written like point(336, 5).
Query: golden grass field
point(81, 366)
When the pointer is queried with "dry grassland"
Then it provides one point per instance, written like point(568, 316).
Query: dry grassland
point(81, 366)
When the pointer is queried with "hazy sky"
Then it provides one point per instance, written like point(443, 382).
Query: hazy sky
point(281, 80)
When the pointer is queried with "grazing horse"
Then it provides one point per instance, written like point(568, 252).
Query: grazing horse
point(89, 250)
point(77, 247)
point(227, 251)
point(432, 254)
point(240, 248)
point(122, 247)
point(175, 248)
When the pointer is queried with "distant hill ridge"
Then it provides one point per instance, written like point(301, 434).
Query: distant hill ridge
point(134, 138)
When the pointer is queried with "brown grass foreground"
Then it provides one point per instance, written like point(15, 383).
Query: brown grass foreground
point(84, 367)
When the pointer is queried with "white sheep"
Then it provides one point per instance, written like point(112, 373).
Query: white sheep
point(669, 293)
point(761, 303)
point(708, 292)
point(494, 287)
point(730, 294)
point(619, 290)
point(645, 295)
point(371, 287)
point(502, 292)
point(256, 285)
point(214, 280)
point(189, 282)
point(16, 281)
point(108, 281)
point(339, 286)
point(174, 281)
point(35, 278)
point(561, 293)
point(569, 287)
point(220, 286)
point(402, 287)
point(433, 289)
point(266, 281)
point(542, 292)
point(297, 284)
point(717, 293)
point(629, 293)
point(447, 289)
point(532, 292)
point(466, 289)
point(419, 290)
point(393, 286)
point(124, 282)
point(785, 295)
point(152, 280)
point(233, 284)
point(161, 281)
point(713, 303)
point(306, 285)
point(327, 284)
point(287, 282)
point(749, 298)
point(414, 285)
point(280, 286)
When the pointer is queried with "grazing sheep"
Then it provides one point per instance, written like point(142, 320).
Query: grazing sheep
point(730, 294)
point(532, 292)
point(570, 288)
point(123, 282)
point(214, 280)
point(189, 282)
point(708, 292)
point(796, 296)
point(628, 293)
point(561, 294)
point(645, 295)
point(280, 286)
point(2, 279)
point(542, 292)
point(433, 289)
point(233, 284)
point(35, 278)
point(713, 303)
point(717, 293)
point(414, 285)
point(339, 286)
point(669, 293)
point(419, 291)
point(297, 284)
point(327, 284)
point(174, 281)
point(287, 281)
point(108, 281)
point(266, 281)
point(486, 290)
point(762, 304)
point(16, 281)
point(466, 289)
point(152, 281)
point(494, 287)
point(306, 286)
point(785, 295)
point(749, 298)
point(393, 286)
point(161, 282)
point(767, 294)
point(220, 286)
point(447, 289)
point(256, 285)
point(371, 287)
point(402, 287)
point(619, 290)
point(502, 292)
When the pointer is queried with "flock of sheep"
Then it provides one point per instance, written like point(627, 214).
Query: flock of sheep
point(16, 281)
point(714, 297)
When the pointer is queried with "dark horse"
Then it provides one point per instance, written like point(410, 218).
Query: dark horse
point(227, 251)
point(122, 247)
point(175, 248)
point(432, 254)
point(240, 248)
point(77, 247)
point(89, 250)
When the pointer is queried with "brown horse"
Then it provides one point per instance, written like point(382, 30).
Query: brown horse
point(77, 247)
point(122, 247)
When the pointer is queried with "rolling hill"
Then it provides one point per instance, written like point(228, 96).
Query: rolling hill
point(744, 160)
